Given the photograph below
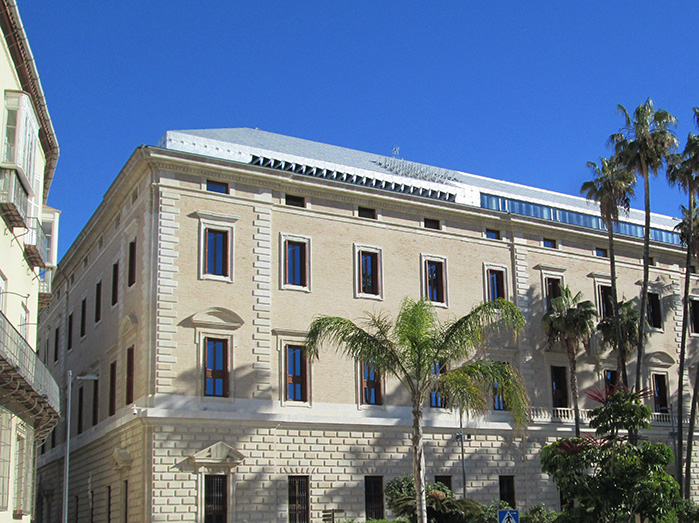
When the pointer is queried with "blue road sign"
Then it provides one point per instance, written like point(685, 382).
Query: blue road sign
point(508, 516)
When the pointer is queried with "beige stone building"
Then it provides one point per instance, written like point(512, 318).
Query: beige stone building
point(189, 292)
point(29, 396)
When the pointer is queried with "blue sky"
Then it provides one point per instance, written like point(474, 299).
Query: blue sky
point(519, 91)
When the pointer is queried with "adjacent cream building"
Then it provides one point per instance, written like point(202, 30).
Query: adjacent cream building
point(29, 396)
point(189, 292)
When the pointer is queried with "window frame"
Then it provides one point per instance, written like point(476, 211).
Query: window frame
point(221, 223)
point(654, 388)
point(294, 200)
point(295, 238)
point(113, 374)
point(601, 252)
point(131, 264)
point(130, 375)
point(359, 250)
point(492, 234)
point(487, 269)
point(694, 315)
point(98, 302)
point(425, 261)
point(437, 399)
point(374, 503)
point(304, 379)
point(83, 317)
point(208, 183)
point(601, 294)
point(378, 388)
point(227, 340)
point(114, 299)
point(553, 243)
point(655, 314)
point(367, 213)
point(565, 384)
point(304, 506)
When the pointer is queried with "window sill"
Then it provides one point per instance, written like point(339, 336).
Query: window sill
point(375, 297)
point(298, 288)
point(215, 277)
point(296, 404)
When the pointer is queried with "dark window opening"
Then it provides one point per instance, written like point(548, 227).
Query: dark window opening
point(694, 316)
point(115, 283)
point(437, 399)
point(559, 386)
point(553, 290)
point(431, 223)
point(112, 388)
point(295, 270)
point(602, 253)
point(132, 264)
point(550, 243)
point(214, 186)
point(493, 234)
point(98, 301)
point(373, 497)
point(126, 500)
point(654, 317)
point(69, 341)
point(81, 404)
point(660, 403)
point(435, 281)
point(371, 385)
point(215, 498)
point(216, 252)
point(507, 490)
point(129, 375)
point(295, 201)
point(496, 284)
point(444, 480)
point(95, 402)
point(56, 339)
point(83, 317)
point(610, 377)
point(216, 373)
point(299, 506)
point(296, 373)
point(605, 301)
point(366, 212)
point(369, 262)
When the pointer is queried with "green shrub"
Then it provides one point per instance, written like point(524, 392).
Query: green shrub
point(687, 512)
point(404, 487)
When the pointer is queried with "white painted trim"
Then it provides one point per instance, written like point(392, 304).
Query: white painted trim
point(358, 248)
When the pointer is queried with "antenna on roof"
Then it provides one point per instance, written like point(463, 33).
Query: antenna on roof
point(396, 151)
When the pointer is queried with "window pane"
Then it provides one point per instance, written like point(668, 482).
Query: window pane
point(296, 263)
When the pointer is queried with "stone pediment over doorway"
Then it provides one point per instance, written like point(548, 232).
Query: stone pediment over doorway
point(217, 456)
point(659, 359)
point(216, 317)
point(121, 460)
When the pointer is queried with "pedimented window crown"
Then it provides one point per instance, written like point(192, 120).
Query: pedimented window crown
point(218, 455)
point(217, 317)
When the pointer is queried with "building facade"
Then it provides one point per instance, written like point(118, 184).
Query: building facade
point(29, 396)
point(189, 292)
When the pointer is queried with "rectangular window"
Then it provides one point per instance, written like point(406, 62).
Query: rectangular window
point(444, 480)
point(295, 263)
point(295, 201)
point(95, 402)
point(660, 403)
point(115, 283)
point(559, 386)
point(216, 373)
point(56, 343)
point(112, 388)
point(109, 504)
point(373, 497)
point(549, 243)
point(215, 498)
point(507, 490)
point(132, 264)
point(610, 377)
point(431, 223)
point(83, 317)
point(434, 281)
point(606, 304)
point(436, 397)
point(369, 272)
point(493, 234)
point(129, 375)
point(371, 385)
point(69, 341)
point(125, 492)
point(214, 186)
point(216, 252)
point(694, 316)
point(296, 373)
point(496, 284)
point(366, 212)
point(299, 506)
point(654, 316)
point(98, 301)
point(81, 405)
point(553, 290)
point(602, 253)
point(498, 399)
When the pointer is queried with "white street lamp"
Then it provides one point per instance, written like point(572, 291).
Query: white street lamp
point(66, 459)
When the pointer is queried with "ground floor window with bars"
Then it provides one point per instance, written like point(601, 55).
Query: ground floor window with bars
point(299, 509)
point(215, 498)
point(373, 497)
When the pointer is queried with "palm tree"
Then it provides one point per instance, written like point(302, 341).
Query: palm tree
point(683, 170)
point(622, 326)
point(570, 322)
point(414, 345)
point(642, 146)
point(612, 189)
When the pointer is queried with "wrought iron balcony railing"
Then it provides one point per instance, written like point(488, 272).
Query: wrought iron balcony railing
point(36, 244)
point(14, 199)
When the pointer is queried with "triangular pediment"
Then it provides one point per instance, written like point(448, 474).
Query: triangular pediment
point(217, 455)
point(121, 459)
point(217, 317)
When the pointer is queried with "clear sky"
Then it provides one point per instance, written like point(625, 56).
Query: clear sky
point(520, 91)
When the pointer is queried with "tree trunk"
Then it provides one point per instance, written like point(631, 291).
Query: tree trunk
point(574, 385)
point(690, 435)
point(619, 343)
point(644, 289)
point(683, 349)
point(419, 462)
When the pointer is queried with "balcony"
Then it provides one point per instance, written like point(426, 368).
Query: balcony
point(567, 416)
point(45, 276)
point(26, 385)
point(36, 245)
point(14, 199)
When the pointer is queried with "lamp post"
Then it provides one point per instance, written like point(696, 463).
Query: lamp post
point(66, 459)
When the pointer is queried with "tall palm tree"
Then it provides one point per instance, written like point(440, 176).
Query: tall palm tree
point(570, 322)
point(414, 345)
point(643, 145)
point(621, 329)
point(612, 189)
point(683, 170)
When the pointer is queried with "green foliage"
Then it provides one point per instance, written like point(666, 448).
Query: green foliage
point(610, 478)
point(386, 521)
point(404, 486)
point(628, 322)
point(539, 514)
point(687, 512)
point(490, 512)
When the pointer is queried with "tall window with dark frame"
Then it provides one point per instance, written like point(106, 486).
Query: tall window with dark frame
point(660, 402)
point(56, 343)
point(69, 341)
point(498, 398)
point(129, 375)
point(81, 405)
point(559, 387)
point(216, 371)
point(369, 263)
point(131, 273)
point(98, 301)
point(112, 388)
point(95, 402)
point(215, 498)
point(553, 290)
point(434, 279)
point(125, 494)
point(507, 489)
point(216, 252)
point(606, 303)
point(296, 373)
point(694, 316)
point(436, 397)
point(109, 504)
point(610, 377)
point(115, 283)
point(83, 317)
point(496, 284)
point(373, 497)
point(653, 315)
point(299, 500)
point(371, 385)
point(295, 263)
